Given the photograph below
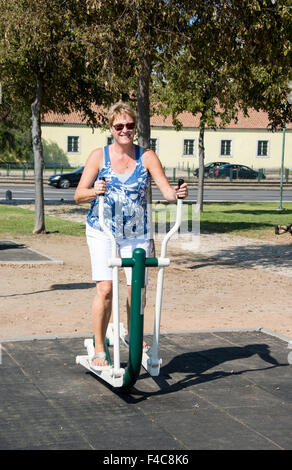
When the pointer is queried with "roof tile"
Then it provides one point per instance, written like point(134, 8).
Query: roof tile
point(255, 120)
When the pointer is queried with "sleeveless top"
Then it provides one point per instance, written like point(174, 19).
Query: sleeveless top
point(125, 202)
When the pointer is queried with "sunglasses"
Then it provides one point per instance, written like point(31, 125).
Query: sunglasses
point(129, 125)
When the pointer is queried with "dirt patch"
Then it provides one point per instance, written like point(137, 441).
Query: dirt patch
point(227, 282)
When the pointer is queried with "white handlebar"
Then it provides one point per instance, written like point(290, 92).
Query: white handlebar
point(104, 227)
point(174, 228)
point(115, 296)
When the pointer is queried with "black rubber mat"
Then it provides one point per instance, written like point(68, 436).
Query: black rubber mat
point(17, 253)
point(215, 391)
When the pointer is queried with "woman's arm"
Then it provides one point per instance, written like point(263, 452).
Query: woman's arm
point(153, 165)
point(85, 191)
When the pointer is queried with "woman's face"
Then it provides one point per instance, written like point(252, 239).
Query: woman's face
point(123, 128)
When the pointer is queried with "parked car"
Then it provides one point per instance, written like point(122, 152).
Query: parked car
point(209, 169)
point(65, 180)
point(238, 171)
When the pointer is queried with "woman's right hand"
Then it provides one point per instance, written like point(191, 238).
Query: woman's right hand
point(100, 187)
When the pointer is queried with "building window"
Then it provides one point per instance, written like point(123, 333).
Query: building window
point(189, 147)
point(153, 144)
point(109, 140)
point(226, 148)
point(262, 148)
point(73, 144)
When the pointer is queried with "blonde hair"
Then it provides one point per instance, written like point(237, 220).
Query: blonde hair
point(120, 108)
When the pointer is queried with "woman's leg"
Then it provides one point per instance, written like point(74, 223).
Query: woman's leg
point(101, 313)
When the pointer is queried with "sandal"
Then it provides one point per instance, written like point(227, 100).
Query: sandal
point(100, 355)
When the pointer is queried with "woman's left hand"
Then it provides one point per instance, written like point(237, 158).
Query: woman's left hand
point(181, 191)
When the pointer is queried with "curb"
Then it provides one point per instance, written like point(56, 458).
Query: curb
point(175, 332)
point(191, 184)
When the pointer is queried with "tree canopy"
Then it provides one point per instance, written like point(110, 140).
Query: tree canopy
point(202, 56)
point(43, 67)
point(236, 55)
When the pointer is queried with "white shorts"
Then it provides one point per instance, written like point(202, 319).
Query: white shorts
point(100, 249)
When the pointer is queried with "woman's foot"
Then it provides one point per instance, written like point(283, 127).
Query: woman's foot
point(99, 361)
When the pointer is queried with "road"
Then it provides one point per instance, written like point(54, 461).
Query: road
point(26, 193)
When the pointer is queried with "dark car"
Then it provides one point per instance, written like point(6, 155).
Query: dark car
point(65, 180)
point(209, 169)
point(237, 171)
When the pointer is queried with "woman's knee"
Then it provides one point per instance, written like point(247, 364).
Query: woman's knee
point(104, 289)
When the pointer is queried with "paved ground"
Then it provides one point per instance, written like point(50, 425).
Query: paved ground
point(216, 390)
point(17, 253)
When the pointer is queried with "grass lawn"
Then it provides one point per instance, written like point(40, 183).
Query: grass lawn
point(17, 220)
point(246, 219)
point(254, 219)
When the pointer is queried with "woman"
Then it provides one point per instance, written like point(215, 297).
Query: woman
point(125, 168)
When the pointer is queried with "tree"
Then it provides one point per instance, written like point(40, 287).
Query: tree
point(198, 79)
point(264, 32)
point(206, 91)
point(129, 38)
point(68, 54)
point(234, 58)
point(43, 68)
point(15, 138)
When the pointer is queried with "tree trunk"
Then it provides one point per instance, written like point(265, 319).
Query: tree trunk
point(200, 197)
point(143, 102)
point(39, 226)
point(143, 125)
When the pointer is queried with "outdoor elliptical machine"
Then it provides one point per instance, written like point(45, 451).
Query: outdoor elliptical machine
point(124, 378)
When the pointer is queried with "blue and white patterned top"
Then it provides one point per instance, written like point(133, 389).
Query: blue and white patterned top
point(125, 202)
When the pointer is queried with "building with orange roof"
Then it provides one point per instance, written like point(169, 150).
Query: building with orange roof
point(248, 141)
